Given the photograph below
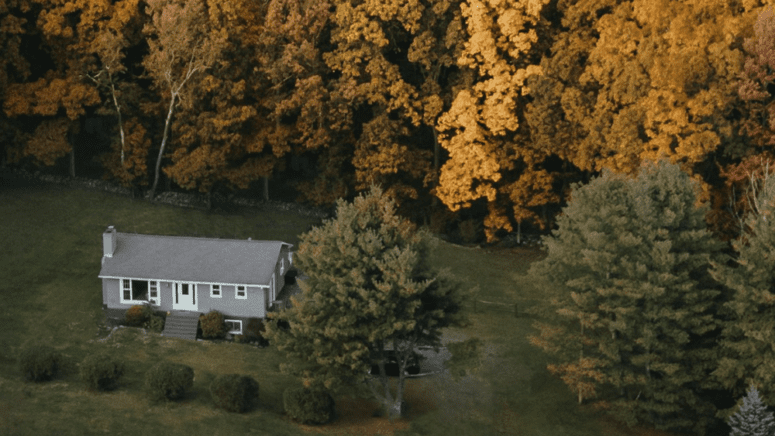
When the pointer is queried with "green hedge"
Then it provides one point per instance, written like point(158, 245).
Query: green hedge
point(309, 407)
point(167, 380)
point(234, 392)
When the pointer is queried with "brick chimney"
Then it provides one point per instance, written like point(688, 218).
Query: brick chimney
point(109, 242)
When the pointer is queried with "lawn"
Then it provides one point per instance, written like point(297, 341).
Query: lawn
point(51, 239)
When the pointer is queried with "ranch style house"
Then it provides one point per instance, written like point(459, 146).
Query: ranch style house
point(187, 276)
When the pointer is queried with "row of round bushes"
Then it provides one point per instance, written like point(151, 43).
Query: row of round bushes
point(170, 381)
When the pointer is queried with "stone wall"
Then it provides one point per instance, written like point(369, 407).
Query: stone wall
point(181, 199)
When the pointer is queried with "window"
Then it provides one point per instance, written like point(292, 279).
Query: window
point(241, 293)
point(153, 292)
point(215, 291)
point(282, 266)
point(234, 326)
point(127, 290)
point(137, 290)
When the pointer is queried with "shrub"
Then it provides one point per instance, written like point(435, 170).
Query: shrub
point(167, 380)
point(155, 324)
point(137, 315)
point(307, 406)
point(101, 372)
point(255, 328)
point(39, 363)
point(212, 325)
point(255, 331)
point(233, 392)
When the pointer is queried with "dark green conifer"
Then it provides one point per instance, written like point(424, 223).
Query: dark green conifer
point(749, 335)
point(370, 289)
point(631, 321)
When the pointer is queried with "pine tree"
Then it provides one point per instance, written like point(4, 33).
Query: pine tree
point(631, 321)
point(370, 289)
point(752, 418)
point(749, 332)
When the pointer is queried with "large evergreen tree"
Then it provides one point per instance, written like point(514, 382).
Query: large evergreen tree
point(752, 418)
point(749, 336)
point(370, 289)
point(631, 320)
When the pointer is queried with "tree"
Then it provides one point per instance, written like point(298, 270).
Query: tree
point(756, 113)
point(105, 31)
point(490, 156)
point(396, 61)
point(370, 290)
point(47, 97)
point(103, 35)
point(622, 85)
point(181, 46)
point(757, 74)
point(214, 136)
point(748, 334)
point(631, 323)
point(297, 112)
point(752, 418)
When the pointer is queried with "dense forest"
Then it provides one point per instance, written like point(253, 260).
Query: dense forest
point(467, 112)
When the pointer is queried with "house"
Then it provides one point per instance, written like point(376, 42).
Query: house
point(188, 276)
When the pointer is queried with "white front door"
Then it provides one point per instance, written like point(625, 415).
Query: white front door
point(183, 296)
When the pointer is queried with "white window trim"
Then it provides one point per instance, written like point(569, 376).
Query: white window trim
point(134, 302)
point(236, 321)
point(156, 301)
point(272, 290)
point(212, 291)
point(236, 292)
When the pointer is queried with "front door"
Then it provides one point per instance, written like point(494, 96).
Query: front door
point(183, 296)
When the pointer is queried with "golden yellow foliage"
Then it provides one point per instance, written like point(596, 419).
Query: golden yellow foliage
point(134, 169)
point(49, 142)
point(481, 128)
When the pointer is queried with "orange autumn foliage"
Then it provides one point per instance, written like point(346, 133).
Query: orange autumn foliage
point(483, 108)
point(489, 158)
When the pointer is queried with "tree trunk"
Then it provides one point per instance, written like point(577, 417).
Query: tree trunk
point(266, 188)
point(392, 406)
point(396, 409)
point(163, 144)
point(120, 121)
point(72, 161)
point(436, 151)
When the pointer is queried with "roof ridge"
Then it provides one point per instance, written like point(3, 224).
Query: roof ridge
point(203, 237)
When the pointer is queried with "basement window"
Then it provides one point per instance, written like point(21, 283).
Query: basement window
point(234, 326)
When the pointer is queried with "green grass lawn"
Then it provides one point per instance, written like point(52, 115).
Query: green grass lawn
point(50, 258)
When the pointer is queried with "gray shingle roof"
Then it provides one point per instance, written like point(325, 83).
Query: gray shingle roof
point(192, 259)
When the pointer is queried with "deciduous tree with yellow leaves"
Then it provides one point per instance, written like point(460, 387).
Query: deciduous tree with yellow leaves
point(182, 44)
point(489, 153)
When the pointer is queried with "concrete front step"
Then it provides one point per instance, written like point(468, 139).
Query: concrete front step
point(181, 325)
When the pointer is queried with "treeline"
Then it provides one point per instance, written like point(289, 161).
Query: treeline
point(476, 110)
